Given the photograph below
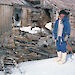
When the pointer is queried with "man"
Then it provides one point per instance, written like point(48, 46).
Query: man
point(61, 32)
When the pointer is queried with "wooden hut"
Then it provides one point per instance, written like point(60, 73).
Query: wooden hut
point(12, 9)
point(20, 13)
point(5, 16)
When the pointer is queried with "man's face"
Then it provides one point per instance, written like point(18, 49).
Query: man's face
point(62, 16)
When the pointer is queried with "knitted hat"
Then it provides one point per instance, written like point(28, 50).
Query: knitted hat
point(63, 12)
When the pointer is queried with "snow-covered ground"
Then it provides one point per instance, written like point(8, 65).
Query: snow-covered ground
point(46, 67)
point(28, 29)
point(35, 30)
point(1, 73)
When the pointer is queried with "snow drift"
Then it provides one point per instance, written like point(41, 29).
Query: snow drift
point(46, 67)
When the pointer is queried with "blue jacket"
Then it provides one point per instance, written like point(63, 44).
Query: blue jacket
point(66, 29)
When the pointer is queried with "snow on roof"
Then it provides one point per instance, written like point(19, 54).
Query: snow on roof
point(10, 2)
point(5, 2)
point(46, 67)
point(16, 2)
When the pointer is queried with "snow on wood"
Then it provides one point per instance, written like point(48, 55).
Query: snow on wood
point(49, 26)
point(30, 29)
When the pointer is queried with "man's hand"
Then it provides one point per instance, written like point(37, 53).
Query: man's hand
point(53, 38)
point(66, 38)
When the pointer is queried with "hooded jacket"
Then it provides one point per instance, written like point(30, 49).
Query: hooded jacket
point(66, 27)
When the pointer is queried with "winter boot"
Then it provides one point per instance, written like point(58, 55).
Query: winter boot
point(57, 59)
point(63, 60)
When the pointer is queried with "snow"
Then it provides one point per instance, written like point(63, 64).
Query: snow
point(25, 28)
point(35, 30)
point(17, 23)
point(28, 29)
point(49, 25)
point(1, 73)
point(46, 67)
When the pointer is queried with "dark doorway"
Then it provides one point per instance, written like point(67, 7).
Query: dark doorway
point(49, 13)
point(18, 12)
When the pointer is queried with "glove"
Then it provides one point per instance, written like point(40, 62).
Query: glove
point(53, 38)
point(66, 38)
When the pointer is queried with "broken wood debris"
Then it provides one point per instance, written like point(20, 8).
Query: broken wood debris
point(28, 46)
point(41, 52)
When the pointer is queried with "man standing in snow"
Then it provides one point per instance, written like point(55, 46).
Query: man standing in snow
point(61, 32)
